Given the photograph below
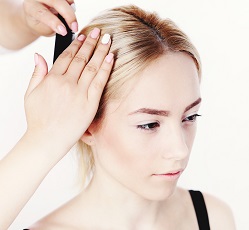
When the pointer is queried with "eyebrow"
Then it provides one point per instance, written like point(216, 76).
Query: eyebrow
point(163, 113)
point(195, 103)
point(151, 112)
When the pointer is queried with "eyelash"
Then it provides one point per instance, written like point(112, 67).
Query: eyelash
point(191, 118)
point(154, 125)
point(149, 126)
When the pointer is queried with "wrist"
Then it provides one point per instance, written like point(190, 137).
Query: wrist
point(45, 145)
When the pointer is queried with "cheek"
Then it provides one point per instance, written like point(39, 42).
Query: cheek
point(190, 133)
point(114, 149)
point(122, 153)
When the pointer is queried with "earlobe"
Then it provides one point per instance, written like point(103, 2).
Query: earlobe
point(87, 138)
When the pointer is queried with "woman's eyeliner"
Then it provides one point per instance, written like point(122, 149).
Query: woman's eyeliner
point(191, 118)
point(153, 125)
point(149, 126)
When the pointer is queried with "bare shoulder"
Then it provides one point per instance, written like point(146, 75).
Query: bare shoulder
point(63, 218)
point(44, 224)
point(51, 222)
point(220, 214)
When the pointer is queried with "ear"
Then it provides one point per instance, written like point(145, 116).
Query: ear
point(87, 137)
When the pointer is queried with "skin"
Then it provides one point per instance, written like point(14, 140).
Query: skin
point(29, 19)
point(127, 190)
point(146, 151)
point(77, 79)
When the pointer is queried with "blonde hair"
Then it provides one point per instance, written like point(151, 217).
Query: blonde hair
point(138, 37)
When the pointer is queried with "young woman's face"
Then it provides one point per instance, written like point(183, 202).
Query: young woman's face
point(144, 142)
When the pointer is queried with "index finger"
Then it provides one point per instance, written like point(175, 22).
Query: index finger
point(66, 10)
point(65, 58)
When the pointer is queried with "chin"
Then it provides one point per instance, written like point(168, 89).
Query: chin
point(161, 194)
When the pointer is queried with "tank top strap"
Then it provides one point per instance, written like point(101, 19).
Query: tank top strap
point(200, 209)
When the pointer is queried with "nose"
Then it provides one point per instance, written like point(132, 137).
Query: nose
point(175, 144)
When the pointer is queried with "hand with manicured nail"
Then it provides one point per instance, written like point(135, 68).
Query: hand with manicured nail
point(29, 19)
point(63, 102)
point(59, 105)
point(41, 16)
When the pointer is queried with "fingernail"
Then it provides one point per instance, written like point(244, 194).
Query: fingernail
point(105, 39)
point(36, 59)
point(74, 27)
point(73, 6)
point(109, 57)
point(81, 37)
point(95, 33)
point(62, 30)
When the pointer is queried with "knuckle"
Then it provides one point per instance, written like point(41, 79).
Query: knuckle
point(68, 12)
point(102, 49)
point(41, 12)
point(66, 54)
point(89, 43)
point(97, 85)
point(75, 45)
point(105, 69)
point(91, 68)
point(81, 58)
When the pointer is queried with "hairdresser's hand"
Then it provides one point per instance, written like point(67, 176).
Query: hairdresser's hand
point(29, 19)
point(41, 16)
point(61, 104)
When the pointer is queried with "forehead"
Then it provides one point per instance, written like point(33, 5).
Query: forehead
point(167, 82)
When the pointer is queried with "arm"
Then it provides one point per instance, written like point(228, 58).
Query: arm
point(59, 106)
point(22, 171)
point(29, 19)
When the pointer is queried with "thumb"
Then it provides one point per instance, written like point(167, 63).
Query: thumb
point(40, 71)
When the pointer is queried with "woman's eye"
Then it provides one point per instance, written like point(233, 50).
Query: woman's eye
point(191, 118)
point(149, 126)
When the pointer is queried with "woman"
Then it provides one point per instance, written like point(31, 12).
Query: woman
point(139, 142)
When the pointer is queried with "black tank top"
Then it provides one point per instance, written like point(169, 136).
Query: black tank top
point(200, 209)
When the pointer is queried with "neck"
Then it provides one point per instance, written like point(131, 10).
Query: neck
point(117, 205)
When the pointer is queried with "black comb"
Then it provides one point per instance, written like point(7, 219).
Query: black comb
point(62, 42)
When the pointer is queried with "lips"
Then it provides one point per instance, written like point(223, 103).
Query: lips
point(170, 173)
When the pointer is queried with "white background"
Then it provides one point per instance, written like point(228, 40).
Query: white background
point(218, 165)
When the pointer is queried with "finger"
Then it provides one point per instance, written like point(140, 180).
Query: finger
point(63, 61)
point(65, 9)
point(70, 1)
point(97, 59)
point(42, 17)
point(84, 54)
point(97, 85)
point(40, 71)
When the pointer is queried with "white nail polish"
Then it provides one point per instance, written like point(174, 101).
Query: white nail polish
point(105, 39)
